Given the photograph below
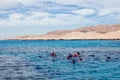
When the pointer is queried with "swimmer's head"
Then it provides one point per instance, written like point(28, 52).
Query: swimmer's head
point(78, 53)
point(108, 57)
point(80, 59)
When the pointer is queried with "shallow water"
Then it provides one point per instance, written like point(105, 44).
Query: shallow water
point(19, 60)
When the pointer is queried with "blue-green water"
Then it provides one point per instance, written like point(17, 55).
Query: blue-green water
point(19, 60)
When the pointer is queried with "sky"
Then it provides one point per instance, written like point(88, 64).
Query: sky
point(32, 17)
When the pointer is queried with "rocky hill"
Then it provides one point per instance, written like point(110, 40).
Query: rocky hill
point(92, 32)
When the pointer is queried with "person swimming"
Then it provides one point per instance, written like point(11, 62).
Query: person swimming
point(40, 56)
point(76, 57)
point(69, 57)
point(92, 55)
point(108, 58)
point(77, 54)
point(80, 59)
point(53, 55)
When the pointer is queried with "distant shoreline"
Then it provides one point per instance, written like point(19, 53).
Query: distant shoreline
point(56, 39)
point(100, 32)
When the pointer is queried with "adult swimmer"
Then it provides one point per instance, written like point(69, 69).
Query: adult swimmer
point(53, 55)
point(69, 57)
point(76, 57)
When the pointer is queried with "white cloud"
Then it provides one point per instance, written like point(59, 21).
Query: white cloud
point(49, 20)
point(41, 14)
point(42, 18)
point(57, 14)
point(3, 12)
point(75, 2)
point(16, 16)
point(92, 3)
point(17, 19)
point(81, 3)
point(108, 11)
point(74, 20)
point(12, 3)
point(37, 15)
point(27, 2)
point(85, 12)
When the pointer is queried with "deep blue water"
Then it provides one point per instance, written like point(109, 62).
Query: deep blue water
point(19, 60)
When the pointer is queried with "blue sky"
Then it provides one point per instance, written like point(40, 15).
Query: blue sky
point(30, 17)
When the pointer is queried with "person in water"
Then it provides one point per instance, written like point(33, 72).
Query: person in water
point(40, 56)
point(108, 58)
point(79, 57)
point(53, 55)
point(69, 57)
point(92, 57)
point(76, 57)
point(77, 54)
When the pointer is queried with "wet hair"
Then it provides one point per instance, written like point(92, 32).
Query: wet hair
point(40, 56)
point(108, 57)
point(70, 55)
point(78, 53)
point(80, 59)
point(93, 55)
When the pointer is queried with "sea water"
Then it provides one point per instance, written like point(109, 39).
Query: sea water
point(31, 60)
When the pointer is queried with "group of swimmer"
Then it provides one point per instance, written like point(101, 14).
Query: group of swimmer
point(71, 57)
point(77, 57)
